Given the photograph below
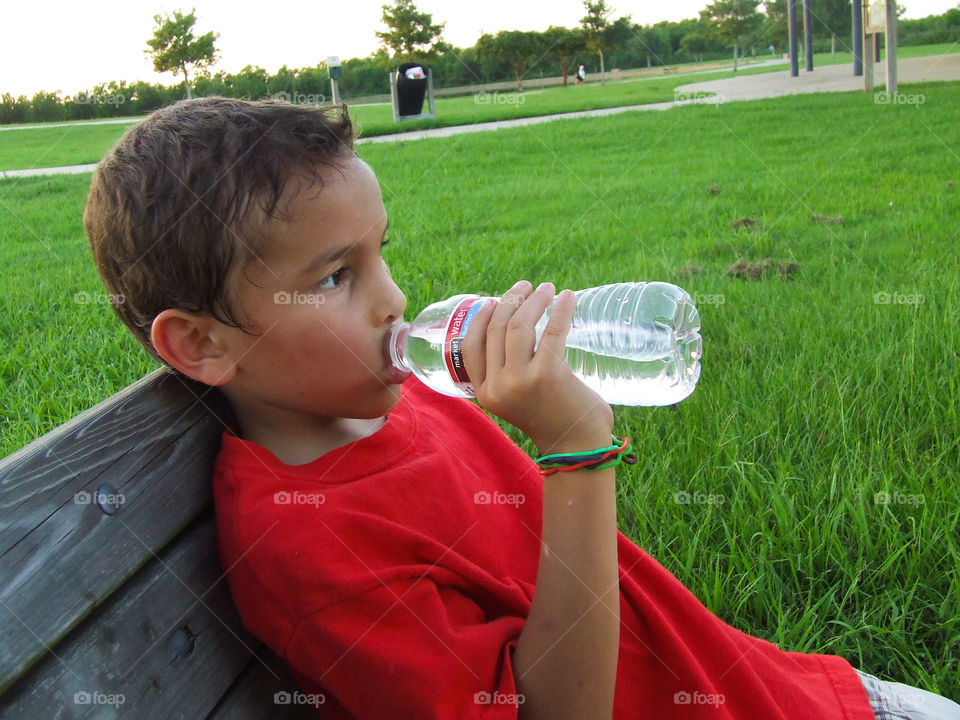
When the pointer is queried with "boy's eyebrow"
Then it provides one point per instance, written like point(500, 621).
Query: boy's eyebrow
point(329, 258)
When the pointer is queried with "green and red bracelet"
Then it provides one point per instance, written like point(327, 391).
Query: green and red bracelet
point(589, 460)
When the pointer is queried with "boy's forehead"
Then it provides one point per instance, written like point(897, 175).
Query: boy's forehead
point(340, 206)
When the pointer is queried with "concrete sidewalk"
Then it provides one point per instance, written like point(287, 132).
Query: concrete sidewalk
point(829, 78)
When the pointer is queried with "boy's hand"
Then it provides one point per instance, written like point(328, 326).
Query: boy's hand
point(535, 391)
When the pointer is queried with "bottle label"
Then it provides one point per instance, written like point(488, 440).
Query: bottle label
point(457, 327)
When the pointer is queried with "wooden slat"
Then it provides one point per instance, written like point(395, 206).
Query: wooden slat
point(130, 426)
point(253, 696)
point(126, 648)
point(59, 559)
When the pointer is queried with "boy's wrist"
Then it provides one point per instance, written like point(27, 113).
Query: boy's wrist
point(574, 442)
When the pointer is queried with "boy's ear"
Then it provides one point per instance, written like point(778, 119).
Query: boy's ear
point(194, 345)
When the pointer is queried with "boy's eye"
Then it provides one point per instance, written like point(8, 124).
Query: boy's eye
point(331, 280)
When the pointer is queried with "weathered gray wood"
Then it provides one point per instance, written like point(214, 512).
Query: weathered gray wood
point(254, 695)
point(130, 427)
point(60, 558)
point(128, 649)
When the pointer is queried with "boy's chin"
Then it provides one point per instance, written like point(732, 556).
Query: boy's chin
point(377, 407)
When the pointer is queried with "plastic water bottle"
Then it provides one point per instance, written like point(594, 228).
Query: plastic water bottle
point(634, 343)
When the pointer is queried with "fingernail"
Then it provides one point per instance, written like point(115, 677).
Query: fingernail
point(543, 285)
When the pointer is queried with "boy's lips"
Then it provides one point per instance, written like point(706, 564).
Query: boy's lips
point(396, 375)
point(393, 373)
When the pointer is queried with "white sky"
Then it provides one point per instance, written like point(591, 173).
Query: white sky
point(71, 46)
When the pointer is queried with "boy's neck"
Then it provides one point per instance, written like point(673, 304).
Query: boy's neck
point(297, 441)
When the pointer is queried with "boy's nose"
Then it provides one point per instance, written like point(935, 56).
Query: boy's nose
point(393, 302)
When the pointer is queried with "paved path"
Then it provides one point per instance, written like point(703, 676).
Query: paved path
point(829, 78)
point(111, 121)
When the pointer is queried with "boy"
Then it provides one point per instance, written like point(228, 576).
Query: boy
point(355, 507)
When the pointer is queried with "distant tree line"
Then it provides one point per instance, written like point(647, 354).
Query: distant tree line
point(549, 53)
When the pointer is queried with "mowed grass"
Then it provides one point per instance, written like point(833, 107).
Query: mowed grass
point(82, 143)
point(807, 492)
point(56, 145)
point(844, 54)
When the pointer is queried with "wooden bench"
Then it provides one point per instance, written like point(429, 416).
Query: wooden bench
point(113, 602)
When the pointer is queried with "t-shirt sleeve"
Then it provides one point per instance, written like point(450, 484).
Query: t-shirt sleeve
point(415, 651)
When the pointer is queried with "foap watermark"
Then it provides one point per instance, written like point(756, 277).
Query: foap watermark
point(297, 298)
point(498, 698)
point(298, 698)
point(82, 697)
point(697, 98)
point(299, 498)
point(683, 497)
point(87, 298)
point(101, 497)
point(897, 298)
point(898, 498)
point(498, 498)
point(708, 299)
point(884, 97)
point(698, 698)
point(115, 99)
point(498, 98)
point(299, 98)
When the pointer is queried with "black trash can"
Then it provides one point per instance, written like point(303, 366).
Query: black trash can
point(410, 91)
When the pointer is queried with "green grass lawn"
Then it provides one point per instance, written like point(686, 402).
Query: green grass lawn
point(909, 51)
point(86, 143)
point(53, 146)
point(820, 453)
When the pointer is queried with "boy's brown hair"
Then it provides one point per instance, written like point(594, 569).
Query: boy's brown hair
point(182, 198)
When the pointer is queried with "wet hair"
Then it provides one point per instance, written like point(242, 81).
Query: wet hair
point(183, 198)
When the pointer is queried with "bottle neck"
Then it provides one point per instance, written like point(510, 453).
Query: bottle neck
point(395, 343)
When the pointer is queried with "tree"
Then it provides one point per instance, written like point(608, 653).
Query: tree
point(733, 19)
point(695, 44)
point(775, 24)
point(516, 48)
point(565, 44)
point(651, 45)
point(408, 30)
point(594, 23)
point(831, 18)
point(174, 47)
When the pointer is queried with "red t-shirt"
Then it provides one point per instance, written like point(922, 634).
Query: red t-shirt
point(393, 575)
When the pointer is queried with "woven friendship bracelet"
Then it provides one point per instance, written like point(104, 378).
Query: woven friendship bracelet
point(599, 459)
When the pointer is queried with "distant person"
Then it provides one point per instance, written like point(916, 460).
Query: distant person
point(581, 75)
point(771, 48)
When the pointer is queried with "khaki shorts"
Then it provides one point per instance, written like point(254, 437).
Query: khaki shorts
point(895, 701)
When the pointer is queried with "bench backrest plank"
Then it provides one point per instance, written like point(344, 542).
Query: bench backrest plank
point(132, 603)
point(59, 557)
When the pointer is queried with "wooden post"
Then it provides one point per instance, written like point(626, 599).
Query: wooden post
point(891, 46)
point(868, 63)
point(792, 28)
point(857, 38)
point(394, 100)
point(808, 34)
point(433, 112)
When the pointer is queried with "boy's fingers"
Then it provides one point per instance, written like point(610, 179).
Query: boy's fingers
point(522, 336)
point(497, 329)
point(475, 344)
point(553, 342)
